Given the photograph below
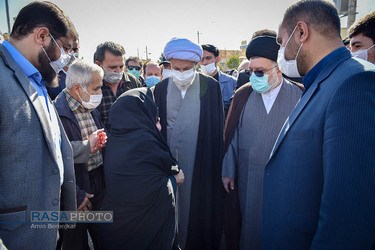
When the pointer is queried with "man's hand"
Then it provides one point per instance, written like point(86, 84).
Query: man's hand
point(228, 181)
point(97, 140)
point(180, 177)
point(86, 204)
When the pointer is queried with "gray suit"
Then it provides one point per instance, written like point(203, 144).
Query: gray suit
point(29, 174)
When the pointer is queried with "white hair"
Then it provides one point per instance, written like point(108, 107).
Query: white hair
point(80, 72)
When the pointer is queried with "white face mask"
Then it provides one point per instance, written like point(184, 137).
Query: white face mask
point(184, 78)
point(94, 101)
point(112, 77)
point(363, 53)
point(209, 69)
point(288, 67)
point(60, 63)
point(166, 73)
point(72, 59)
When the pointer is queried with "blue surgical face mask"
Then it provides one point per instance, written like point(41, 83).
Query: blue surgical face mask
point(152, 80)
point(260, 84)
point(135, 72)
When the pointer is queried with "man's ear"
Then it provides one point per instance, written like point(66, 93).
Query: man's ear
point(41, 35)
point(302, 31)
point(77, 89)
point(218, 59)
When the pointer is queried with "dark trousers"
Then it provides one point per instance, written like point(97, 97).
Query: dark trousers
point(77, 238)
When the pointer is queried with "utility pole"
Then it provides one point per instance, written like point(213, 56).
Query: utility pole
point(198, 35)
point(352, 6)
point(7, 10)
point(138, 52)
point(146, 54)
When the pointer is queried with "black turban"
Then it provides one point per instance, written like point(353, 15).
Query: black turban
point(263, 46)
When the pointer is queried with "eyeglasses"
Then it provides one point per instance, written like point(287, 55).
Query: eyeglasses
point(66, 46)
point(260, 73)
point(133, 67)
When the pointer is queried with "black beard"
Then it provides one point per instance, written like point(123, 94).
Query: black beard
point(48, 74)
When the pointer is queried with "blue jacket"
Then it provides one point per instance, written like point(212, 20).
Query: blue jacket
point(227, 85)
point(319, 184)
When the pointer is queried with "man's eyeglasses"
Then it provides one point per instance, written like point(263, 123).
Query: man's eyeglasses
point(260, 73)
point(66, 46)
point(133, 67)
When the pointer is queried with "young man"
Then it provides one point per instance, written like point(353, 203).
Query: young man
point(362, 38)
point(318, 183)
point(36, 164)
point(209, 66)
point(133, 65)
point(110, 56)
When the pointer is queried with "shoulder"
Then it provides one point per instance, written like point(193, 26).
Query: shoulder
point(245, 89)
point(60, 101)
point(61, 105)
point(351, 71)
point(205, 79)
point(161, 85)
point(356, 66)
point(360, 81)
point(293, 86)
point(7, 62)
point(160, 90)
point(226, 78)
point(130, 78)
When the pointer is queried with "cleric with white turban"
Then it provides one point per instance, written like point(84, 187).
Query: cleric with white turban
point(183, 49)
point(191, 117)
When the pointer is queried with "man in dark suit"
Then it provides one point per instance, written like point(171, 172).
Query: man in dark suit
point(319, 182)
point(36, 166)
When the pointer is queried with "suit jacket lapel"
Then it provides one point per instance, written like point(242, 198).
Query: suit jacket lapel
point(35, 100)
point(324, 74)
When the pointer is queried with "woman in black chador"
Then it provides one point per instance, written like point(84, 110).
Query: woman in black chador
point(141, 176)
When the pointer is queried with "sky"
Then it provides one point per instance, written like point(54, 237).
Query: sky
point(152, 23)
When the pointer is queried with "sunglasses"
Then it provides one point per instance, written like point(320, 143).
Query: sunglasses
point(260, 73)
point(133, 67)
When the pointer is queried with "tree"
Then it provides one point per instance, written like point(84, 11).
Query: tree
point(161, 57)
point(233, 62)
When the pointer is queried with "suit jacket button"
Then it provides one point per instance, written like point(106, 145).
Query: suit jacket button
point(55, 202)
point(55, 171)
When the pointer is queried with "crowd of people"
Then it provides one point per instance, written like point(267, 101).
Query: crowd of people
point(281, 157)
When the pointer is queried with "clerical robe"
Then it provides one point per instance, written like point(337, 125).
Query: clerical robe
point(193, 127)
point(248, 153)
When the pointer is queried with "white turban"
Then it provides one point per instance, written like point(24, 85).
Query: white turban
point(183, 49)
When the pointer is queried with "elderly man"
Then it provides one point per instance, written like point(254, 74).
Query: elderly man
point(110, 56)
point(209, 66)
point(191, 115)
point(76, 106)
point(362, 38)
point(152, 74)
point(36, 164)
point(262, 106)
point(318, 190)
